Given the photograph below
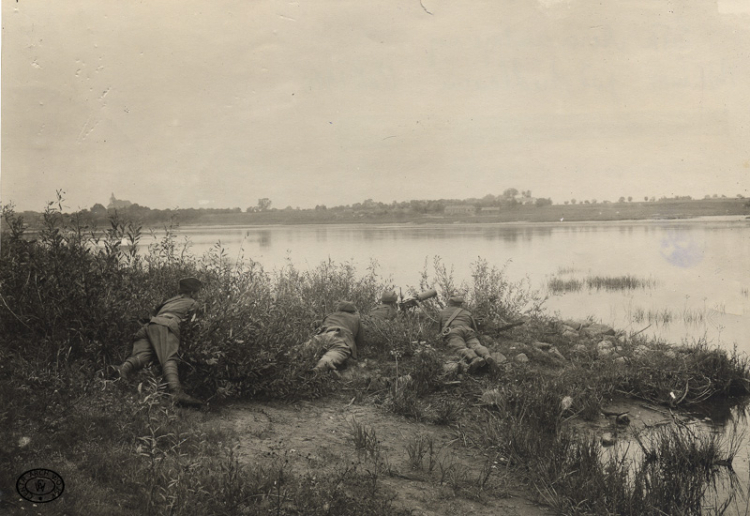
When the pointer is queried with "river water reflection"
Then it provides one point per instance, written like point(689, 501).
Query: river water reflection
point(698, 269)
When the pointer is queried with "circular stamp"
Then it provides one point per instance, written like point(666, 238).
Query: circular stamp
point(40, 485)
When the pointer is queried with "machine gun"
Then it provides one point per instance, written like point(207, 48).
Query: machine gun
point(413, 301)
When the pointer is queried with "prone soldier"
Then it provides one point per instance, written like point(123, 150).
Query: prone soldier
point(461, 334)
point(339, 335)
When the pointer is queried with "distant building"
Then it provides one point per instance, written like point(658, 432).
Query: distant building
point(460, 209)
point(523, 199)
point(489, 210)
point(115, 204)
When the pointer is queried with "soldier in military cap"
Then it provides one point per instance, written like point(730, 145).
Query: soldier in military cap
point(387, 309)
point(339, 335)
point(161, 336)
point(460, 332)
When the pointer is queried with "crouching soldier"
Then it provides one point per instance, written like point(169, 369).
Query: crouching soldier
point(161, 336)
point(339, 335)
point(460, 332)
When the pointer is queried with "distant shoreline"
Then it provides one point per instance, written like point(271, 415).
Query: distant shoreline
point(706, 219)
point(658, 212)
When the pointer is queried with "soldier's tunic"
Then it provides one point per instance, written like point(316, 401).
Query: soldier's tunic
point(461, 334)
point(162, 333)
point(385, 311)
point(340, 335)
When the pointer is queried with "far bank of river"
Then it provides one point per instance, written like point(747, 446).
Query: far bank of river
point(580, 212)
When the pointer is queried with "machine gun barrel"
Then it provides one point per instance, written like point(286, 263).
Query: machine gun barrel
point(414, 301)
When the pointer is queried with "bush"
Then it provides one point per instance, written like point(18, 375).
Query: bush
point(78, 293)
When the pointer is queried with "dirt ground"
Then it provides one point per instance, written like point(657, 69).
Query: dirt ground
point(457, 478)
point(317, 436)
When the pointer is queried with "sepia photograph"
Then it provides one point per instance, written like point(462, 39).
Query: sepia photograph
point(390, 258)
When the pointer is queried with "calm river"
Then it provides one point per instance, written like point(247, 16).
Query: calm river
point(697, 271)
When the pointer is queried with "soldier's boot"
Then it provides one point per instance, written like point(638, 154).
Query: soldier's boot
point(173, 381)
point(132, 365)
point(475, 365)
point(452, 368)
point(326, 366)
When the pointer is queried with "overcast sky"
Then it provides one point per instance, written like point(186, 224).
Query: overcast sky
point(218, 103)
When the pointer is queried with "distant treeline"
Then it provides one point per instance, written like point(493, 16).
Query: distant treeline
point(506, 208)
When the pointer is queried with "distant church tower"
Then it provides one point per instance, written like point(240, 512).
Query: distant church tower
point(114, 204)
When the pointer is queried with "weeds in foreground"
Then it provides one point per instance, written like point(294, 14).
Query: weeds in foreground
point(137, 454)
point(447, 412)
point(424, 455)
point(418, 448)
point(677, 471)
point(403, 399)
point(365, 439)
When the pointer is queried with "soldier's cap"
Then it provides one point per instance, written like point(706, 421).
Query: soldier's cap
point(389, 296)
point(458, 299)
point(190, 284)
point(346, 306)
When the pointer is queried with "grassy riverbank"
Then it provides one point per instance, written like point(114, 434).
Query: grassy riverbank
point(69, 309)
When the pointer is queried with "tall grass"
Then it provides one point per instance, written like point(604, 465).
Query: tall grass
point(676, 471)
point(665, 316)
point(492, 297)
point(662, 316)
point(558, 285)
point(626, 282)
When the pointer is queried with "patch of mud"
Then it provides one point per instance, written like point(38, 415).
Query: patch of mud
point(317, 436)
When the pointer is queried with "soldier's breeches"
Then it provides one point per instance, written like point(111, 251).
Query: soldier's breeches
point(164, 342)
point(464, 343)
point(156, 339)
point(337, 351)
point(142, 354)
point(457, 345)
point(476, 347)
